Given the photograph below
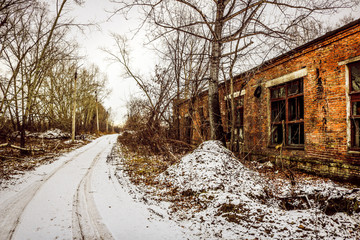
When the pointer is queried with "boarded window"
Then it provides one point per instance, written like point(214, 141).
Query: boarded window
point(287, 113)
point(354, 71)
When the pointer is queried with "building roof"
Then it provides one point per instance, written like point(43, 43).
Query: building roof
point(302, 47)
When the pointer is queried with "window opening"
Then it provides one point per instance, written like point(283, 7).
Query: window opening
point(188, 129)
point(239, 119)
point(204, 125)
point(287, 113)
point(354, 71)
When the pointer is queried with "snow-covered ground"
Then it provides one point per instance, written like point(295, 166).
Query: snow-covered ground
point(229, 201)
point(87, 194)
point(77, 197)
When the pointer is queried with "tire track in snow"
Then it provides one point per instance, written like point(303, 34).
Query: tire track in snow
point(87, 222)
point(12, 209)
point(124, 210)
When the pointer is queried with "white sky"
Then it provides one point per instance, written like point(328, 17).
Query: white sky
point(142, 58)
point(99, 37)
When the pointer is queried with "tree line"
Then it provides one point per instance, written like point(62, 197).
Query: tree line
point(38, 64)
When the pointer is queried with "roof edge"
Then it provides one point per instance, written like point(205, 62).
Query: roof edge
point(302, 47)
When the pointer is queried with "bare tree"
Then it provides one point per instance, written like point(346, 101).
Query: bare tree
point(8, 9)
point(186, 56)
point(159, 92)
point(225, 21)
point(36, 44)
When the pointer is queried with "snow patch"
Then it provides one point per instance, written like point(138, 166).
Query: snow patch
point(213, 167)
point(51, 134)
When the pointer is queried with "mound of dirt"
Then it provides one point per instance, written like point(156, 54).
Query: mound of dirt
point(239, 203)
point(213, 167)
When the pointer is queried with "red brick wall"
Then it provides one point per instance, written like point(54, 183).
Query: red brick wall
point(325, 118)
point(325, 101)
point(193, 113)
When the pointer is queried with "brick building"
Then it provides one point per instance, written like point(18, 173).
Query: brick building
point(304, 104)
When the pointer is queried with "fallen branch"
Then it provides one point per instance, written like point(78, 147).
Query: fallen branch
point(4, 145)
point(20, 148)
point(4, 158)
point(56, 146)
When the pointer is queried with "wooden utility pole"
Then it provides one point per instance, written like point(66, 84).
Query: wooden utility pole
point(107, 122)
point(97, 114)
point(74, 109)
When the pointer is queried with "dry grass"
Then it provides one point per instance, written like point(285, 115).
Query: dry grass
point(144, 165)
point(12, 162)
point(144, 169)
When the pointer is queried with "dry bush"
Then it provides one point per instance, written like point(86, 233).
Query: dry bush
point(152, 143)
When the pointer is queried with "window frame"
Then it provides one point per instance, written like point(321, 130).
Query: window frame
point(188, 128)
point(204, 123)
point(354, 96)
point(284, 121)
point(239, 116)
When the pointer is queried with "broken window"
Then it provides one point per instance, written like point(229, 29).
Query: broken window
point(287, 113)
point(239, 124)
point(355, 76)
point(355, 133)
point(296, 133)
point(204, 124)
point(278, 111)
point(239, 118)
point(354, 71)
point(277, 134)
point(188, 129)
point(296, 108)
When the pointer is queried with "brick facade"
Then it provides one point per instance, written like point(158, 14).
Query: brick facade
point(322, 64)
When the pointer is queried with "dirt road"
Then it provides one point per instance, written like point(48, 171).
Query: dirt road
point(76, 198)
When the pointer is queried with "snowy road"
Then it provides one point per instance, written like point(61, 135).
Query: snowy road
point(77, 197)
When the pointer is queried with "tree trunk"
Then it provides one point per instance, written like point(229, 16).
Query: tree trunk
point(22, 137)
point(73, 126)
point(216, 128)
point(97, 118)
point(107, 126)
point(233, 119)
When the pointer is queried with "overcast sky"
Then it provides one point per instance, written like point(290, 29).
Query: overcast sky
point(92, 40)
point(142, 59)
